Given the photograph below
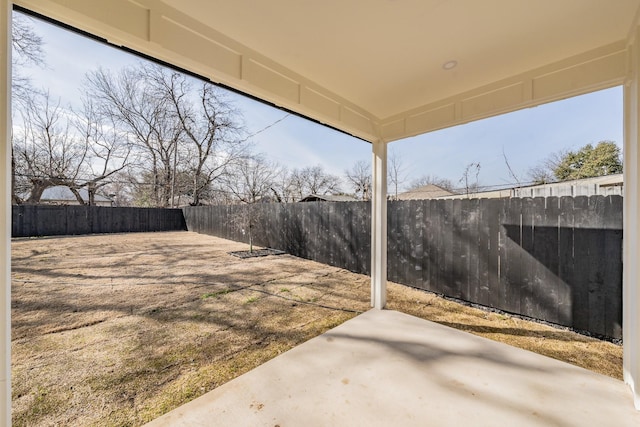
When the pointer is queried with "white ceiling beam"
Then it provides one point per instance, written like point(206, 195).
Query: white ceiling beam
point(600, 68)
point(159, 31)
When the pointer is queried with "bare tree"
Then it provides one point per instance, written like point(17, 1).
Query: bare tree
point(511, 172)
point(359, 178)
point(46, 152)
point(187, 137)
point(251, 179)
point(27, 46)
point(543, 172)
point(109, 150)
point(211, 127)
point(470, 178)
point(250, 182)
point(539, 174)
point(281, 186)
point(312, 180)
point(146, 117)
point(396, 174)
point(54, 146)
point(118, 189)
point(27, 51)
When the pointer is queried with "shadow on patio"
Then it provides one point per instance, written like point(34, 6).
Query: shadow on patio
point(389, 368)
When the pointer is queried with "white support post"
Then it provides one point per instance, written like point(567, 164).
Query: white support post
point(631, 241)
point(5, 210)
point(379, 227)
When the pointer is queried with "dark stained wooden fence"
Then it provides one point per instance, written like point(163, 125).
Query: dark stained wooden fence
point(43, 220)
point(335, 233)
point(554, 259)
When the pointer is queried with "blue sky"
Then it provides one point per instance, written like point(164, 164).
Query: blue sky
point(526, 136)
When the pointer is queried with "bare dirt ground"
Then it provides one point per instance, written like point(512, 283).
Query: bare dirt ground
point(112, 330)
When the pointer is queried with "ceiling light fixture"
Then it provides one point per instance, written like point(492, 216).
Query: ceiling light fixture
point(449, 65)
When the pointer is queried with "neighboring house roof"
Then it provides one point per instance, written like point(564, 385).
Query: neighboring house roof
point(328, 198)
point(493, 194)
point(611, 180)
point(62, 193)
point(429, 191)
point(599, 185)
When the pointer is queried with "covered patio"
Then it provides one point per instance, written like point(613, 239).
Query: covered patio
point(386, 368)
point(384, 70)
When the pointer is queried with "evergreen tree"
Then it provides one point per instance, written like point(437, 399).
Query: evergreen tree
point(590, 161)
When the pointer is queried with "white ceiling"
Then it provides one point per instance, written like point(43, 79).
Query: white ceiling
point(374, 68)
point(386, 56)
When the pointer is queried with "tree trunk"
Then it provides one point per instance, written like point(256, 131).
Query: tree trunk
point(91, 189)
point(78, 196)
point(14, 197)
point(37, 188)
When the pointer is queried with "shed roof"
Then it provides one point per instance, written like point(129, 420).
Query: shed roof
point(62, 193)
point(429, 191)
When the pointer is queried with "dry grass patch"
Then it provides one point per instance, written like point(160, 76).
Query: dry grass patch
point(118, 329)
point(590, 353)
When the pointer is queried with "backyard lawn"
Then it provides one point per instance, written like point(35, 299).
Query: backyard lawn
point(119, 329)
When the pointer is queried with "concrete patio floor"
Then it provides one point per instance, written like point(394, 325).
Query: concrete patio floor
point(385, 368)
